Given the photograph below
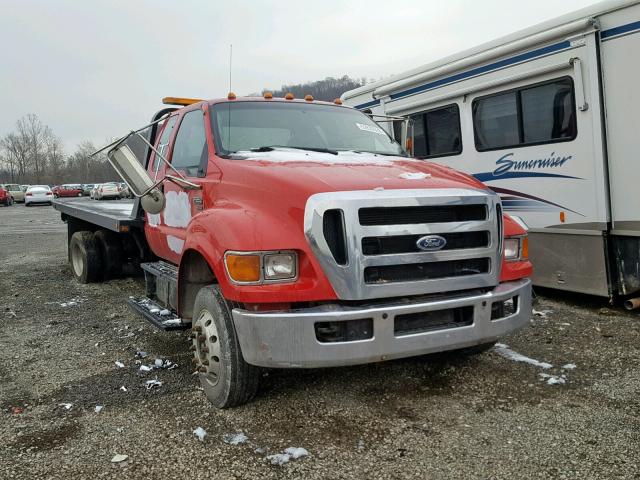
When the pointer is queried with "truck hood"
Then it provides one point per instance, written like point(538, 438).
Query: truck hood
point(306, 173)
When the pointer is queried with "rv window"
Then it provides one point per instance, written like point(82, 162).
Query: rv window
point(543, 113)
point(437, 132)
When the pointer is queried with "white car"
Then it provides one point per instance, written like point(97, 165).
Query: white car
point(107, 190)
point(38, 194)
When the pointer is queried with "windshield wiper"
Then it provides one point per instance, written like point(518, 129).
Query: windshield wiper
point(373, 152)
point(270, 148)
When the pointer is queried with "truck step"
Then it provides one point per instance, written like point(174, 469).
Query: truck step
point(161, 269)
point(156, 314)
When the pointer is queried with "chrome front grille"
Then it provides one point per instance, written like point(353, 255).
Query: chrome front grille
point(366, 241)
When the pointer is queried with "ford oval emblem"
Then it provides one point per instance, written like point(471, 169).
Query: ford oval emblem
point(430, 243)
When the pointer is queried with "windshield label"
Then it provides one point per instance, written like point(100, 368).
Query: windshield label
point(370, 128)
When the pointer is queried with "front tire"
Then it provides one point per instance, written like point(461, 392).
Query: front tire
point(227, 380)
point(86, 263)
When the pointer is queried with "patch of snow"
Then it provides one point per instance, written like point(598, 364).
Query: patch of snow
point(278, 459)
point(378, 189)
point(165, 312)
point(119, 458)
point(200, 433)
point(98, 408)
point(414, 175)
point(153, 384)
point(506, 352)
point(569, 366)
point(123, 388)
point(119, 364)
point(141, 354)
point(285, 155)
point(234, 438)
point(296, 452)
point(289, 453)
point(67, 406)
point(175, 244)
point(552, 379)
point(172, 321)
point(145, 368)
point(177, 210)
point(541, 313)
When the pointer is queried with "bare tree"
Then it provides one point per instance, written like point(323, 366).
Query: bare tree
point(16, 153)
point(34, 133)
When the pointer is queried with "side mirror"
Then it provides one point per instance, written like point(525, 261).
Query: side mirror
point(127, 165)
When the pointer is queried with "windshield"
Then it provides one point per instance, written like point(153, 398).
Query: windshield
point(246, 126)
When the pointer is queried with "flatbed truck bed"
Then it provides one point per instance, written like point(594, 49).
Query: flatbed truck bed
point(114, 215)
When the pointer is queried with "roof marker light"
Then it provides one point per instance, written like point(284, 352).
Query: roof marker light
point(308, 98)
point(288, 96)
point(180, 101)
point(268, 95)
point(337, 101)
point(231, 96)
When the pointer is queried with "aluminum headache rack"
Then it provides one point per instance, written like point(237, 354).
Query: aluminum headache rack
point(369, 242)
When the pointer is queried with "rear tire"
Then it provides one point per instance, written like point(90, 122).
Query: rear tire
point(110, 250)
point(227, 380)
point(84, 257)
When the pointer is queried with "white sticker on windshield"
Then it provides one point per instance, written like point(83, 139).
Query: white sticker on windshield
point(370, 128)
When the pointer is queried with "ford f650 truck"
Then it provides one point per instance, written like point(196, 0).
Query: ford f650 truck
point(297, 234)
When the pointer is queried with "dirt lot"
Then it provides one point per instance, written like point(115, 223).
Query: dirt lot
point(441, 416)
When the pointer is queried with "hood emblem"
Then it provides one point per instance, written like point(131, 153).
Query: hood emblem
point(431, 243)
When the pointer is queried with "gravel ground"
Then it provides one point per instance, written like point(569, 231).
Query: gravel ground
point(441, 416)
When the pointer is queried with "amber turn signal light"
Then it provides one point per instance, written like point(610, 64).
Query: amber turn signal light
point(525, 248)
point(243, 268)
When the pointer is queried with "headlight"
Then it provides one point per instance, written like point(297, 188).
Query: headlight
point(255, 268)
point(516, 248)
point(279, 266)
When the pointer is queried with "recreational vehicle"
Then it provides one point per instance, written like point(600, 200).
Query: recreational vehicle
point(548, 118)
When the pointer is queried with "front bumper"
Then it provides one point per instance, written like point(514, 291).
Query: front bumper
point(288, 339)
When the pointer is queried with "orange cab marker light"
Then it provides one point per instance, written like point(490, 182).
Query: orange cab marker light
point(288, 96)
point(525, 248)
point(180, 101)
point(562, 217)
point(268, 95)
point(337, 101)
point(308, 98)
point(231, 96)
point(243, 268)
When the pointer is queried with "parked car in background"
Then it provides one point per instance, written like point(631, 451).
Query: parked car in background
point(107, 190)
point(86, 188)
point(24, 187)
point(93, 191)
point(5, 197)
point(15, 191)
point(38, 194)
point(68, 190)
point(125, 192)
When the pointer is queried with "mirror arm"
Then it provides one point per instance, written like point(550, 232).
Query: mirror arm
point(160, 155)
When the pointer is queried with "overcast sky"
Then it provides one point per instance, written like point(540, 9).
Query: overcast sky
point(95, 69)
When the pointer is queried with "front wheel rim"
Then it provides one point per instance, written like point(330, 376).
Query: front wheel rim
point(207, 349)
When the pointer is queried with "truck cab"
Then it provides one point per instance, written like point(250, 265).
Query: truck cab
point(292, 233)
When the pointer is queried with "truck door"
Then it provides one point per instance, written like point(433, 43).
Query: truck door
point(187, 149)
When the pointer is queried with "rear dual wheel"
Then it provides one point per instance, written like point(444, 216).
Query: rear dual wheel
point(86, 262)
point(95, 256)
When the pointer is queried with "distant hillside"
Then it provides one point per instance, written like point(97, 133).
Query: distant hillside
point(327, 89)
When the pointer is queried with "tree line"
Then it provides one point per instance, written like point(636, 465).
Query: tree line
point(33, 155)
point(328, 89)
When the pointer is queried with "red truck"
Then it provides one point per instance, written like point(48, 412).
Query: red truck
point(293, 233)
